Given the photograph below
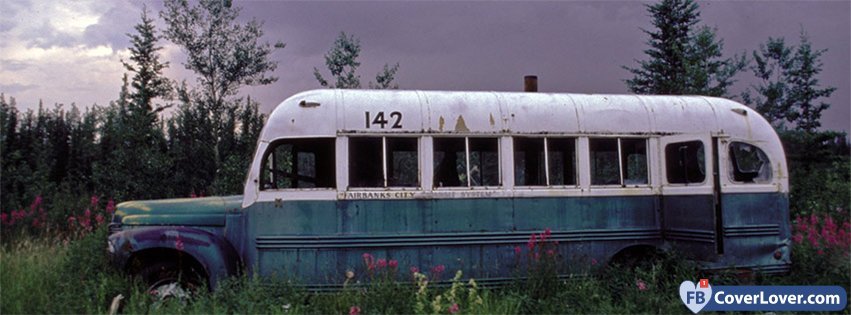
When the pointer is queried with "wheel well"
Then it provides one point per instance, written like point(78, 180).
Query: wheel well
point(143, 258)
point(636, 253)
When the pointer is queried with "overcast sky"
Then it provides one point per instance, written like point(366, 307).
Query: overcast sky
point(70, 51)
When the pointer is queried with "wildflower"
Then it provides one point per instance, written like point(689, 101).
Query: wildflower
point(3, 218)
point(438, 269)
point(593, 262)
point(453, 309)
point(369, 261)
point(415, 270)
point(350, 274)
point(354, 310)
point(551, 253)
point(517, 250)
point(94, 201)
point(531, 243)
point(382, 263)
point(99, 219)
point(110, 207)
point(820, 252)
point(641, 285)
point(546, 235)
point(393, 263)
point(178, 243)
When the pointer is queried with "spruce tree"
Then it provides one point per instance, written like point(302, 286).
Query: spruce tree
point(789, 88)
point(683, 57)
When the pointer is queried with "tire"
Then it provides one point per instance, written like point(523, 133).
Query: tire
point(166, 279)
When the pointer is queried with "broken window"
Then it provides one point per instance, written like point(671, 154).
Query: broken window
point(298, 163)
point(616, 161)
point(685, 162)
point(466, 162)
point(383, 162)
point(544, 161)
point(749, 164)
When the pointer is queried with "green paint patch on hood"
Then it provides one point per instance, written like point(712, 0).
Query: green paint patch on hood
point(207, 211)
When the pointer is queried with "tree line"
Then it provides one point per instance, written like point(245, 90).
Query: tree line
point(130, 149)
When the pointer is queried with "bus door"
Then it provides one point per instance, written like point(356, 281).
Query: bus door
point(689, 204)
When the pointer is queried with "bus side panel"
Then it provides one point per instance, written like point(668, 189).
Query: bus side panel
point(689, 225)
point(755, 226)
point(316, 242)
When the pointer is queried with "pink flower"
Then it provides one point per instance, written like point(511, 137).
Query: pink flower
point(36, 203)
point(593, 262)
point(94, 201)
point(641, 285)
point(382, 263)
point(4, 218)
point(415, 270)
point(531, 243)
point(393, 263)
point(820, 252)
point(110, 207)
point(99, 219)
point(551, 253)
point(369, 261)
point(354, 310)
point(546, 235)
point(438, 268)
point(517, 250)
point(453, 309)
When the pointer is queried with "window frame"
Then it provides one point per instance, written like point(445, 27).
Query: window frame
point(468, 186)
point(621, 183)
point(384, 166)
point(546, 165)
point(706, 165)
point(269, 150)
point(732, 165)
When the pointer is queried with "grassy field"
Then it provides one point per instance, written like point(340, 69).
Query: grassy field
point(43, 275)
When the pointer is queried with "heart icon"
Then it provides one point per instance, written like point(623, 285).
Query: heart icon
point(693, 297)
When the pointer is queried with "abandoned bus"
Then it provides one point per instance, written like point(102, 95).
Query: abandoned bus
point(462, 179)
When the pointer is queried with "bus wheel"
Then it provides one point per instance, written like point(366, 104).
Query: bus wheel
point(637, 257)
point(166, 280)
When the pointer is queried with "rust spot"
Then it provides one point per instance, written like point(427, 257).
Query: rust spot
point(460, 125)
point(440, 123)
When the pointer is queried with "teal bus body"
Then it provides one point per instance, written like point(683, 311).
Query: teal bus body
point(716, 193)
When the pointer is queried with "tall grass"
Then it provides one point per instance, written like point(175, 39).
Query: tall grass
point(72, 275)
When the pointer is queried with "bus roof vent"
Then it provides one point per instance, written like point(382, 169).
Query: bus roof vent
point(530, 83)
point(308, 104)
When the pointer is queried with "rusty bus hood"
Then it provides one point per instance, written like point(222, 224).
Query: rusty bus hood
point(207, 211)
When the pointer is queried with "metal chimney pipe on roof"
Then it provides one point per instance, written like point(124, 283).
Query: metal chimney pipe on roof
point(530, 83)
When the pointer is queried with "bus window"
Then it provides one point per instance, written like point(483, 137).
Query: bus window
point(484, 161)
point(529, 162)
point(298, 163)
point(402, 166)
point(618, 161)
point(562, 161)
point(367, 158)
point(749, 164)
point(634, 161)
point(451, 167)
point(685, 162)
point(532, 169)
point(604, 161)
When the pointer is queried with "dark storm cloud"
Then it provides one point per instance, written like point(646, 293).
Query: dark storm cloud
point(572, 46)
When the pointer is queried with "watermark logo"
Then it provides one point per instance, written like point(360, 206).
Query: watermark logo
point(702, 296)
point(695, 297)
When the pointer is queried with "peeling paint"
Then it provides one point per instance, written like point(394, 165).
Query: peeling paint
point(461, 125)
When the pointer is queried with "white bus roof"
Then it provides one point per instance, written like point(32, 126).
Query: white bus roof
point(328, 113)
